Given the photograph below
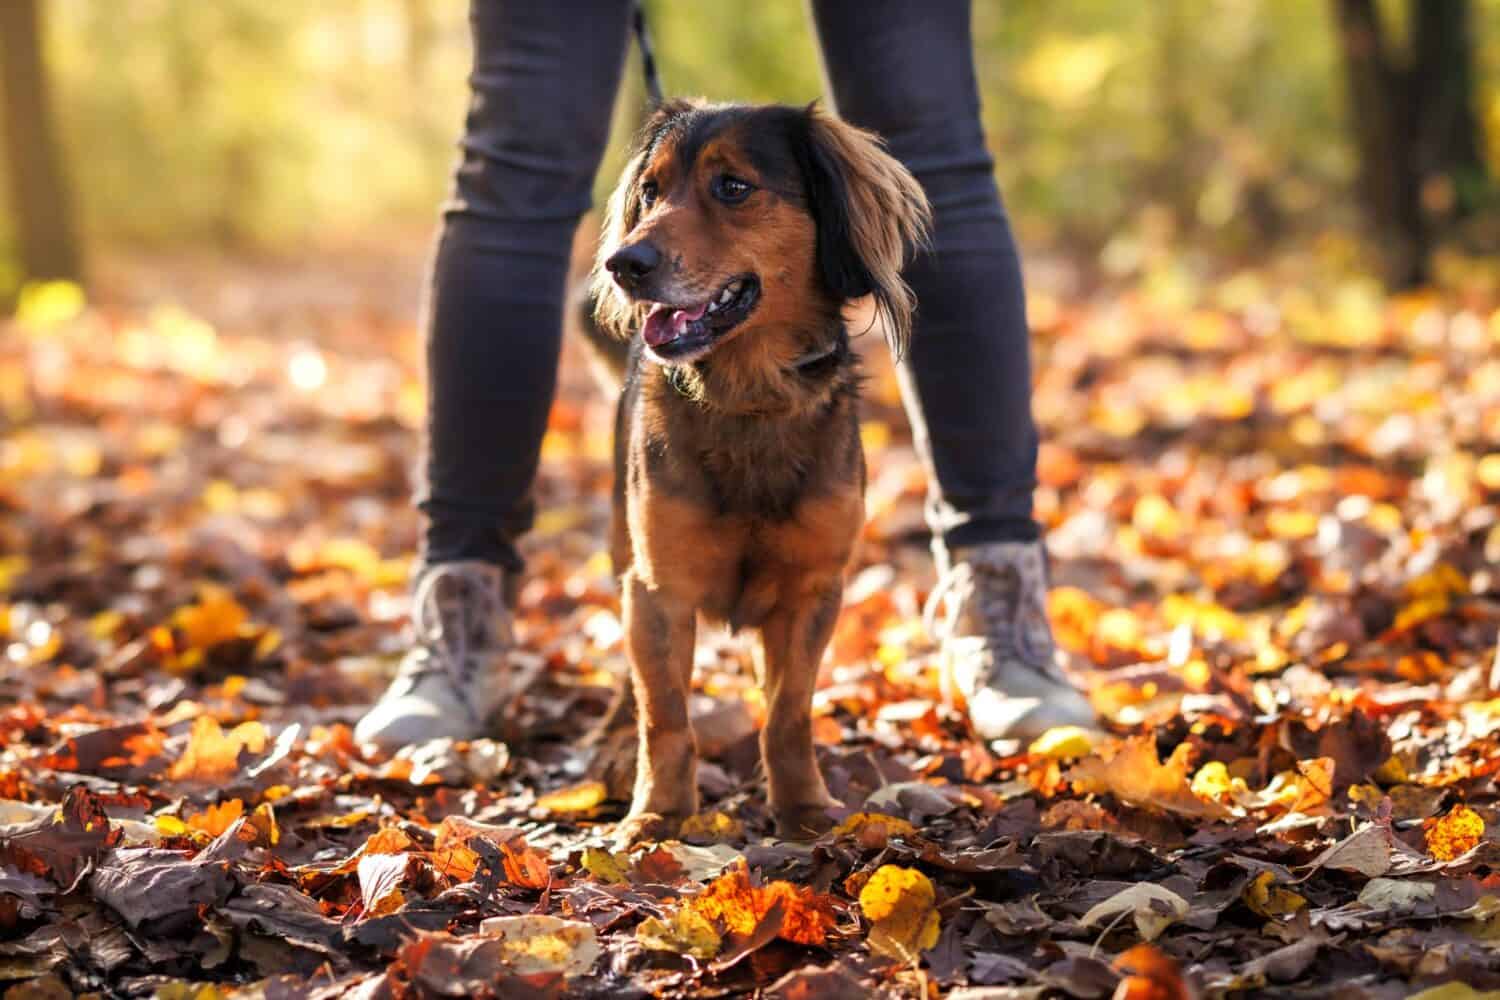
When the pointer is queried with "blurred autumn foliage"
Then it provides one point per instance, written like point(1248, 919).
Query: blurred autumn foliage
point(1241, 125)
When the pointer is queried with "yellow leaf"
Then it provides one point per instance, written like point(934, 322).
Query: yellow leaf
point(213, 754)
point(45, 304)
point(1062, 742)
point(11, 568)
point(1204, 617)
point(1392, 772)
point(581, 798)
point(711, 826)
point(1270, 900)
point(874, 829)
point(1214, 782)
point(101, 626)
point(171, 826)
point(263, 819)
point(686, 932)
point(901, 905)
point(1455, 990)
point(603, 865)
point(1454, 834)
point(216, 618)
point(188, 991)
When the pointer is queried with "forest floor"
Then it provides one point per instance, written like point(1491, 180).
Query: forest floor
point(1273, 504)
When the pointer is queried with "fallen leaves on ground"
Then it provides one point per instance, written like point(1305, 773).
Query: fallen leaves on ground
point(1274, 533)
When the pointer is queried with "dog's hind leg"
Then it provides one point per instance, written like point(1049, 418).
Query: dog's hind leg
point(659, 635)
point(793, 639)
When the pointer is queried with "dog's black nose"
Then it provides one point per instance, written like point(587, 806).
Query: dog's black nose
point(633, 263)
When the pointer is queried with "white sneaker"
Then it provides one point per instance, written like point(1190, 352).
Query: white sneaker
point(989, 611)
point(458, 673)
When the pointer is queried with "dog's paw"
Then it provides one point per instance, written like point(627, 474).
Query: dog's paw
point(803, 822)
point(646, 827)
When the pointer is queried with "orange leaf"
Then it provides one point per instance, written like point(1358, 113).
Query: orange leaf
point(216, 618)
point(526, 867)
point(1454, 834)
point(213, 754)
point(739, 906)
point(1132, 773)
point(1150, 975)
point(217, 818)
point(451, 853)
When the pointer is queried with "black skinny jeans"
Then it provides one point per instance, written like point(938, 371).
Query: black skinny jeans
point(544, 81)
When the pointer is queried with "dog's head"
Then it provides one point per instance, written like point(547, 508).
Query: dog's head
point(732, 219)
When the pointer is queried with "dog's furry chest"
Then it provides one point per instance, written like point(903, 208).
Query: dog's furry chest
point(738, 513)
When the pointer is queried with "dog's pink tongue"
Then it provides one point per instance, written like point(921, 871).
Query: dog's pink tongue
point(665, 324)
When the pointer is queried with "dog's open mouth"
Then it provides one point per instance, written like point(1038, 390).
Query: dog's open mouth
point(675, 334)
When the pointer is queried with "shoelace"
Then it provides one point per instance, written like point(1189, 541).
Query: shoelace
point(1002, 594)
point(475, 609)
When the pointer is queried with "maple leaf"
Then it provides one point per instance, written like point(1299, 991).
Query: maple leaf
point(1132, 773)
point(216, 818)
point(213, 754)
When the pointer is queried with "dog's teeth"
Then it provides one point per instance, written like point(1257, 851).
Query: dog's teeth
point(728, 294)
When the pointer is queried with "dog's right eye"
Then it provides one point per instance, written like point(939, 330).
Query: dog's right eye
point(648, 193)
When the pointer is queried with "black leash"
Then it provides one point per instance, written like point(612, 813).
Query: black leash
point(648, 57)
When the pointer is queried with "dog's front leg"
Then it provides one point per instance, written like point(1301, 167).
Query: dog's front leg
point(659, 634)
point(793, 639)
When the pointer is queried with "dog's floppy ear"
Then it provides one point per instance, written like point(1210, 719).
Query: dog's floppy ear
point(612, 310)
point(871, 214)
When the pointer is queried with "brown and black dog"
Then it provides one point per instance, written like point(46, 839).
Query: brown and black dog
point(732, 246)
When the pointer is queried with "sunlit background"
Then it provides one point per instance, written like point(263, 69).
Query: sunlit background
point(252, 128)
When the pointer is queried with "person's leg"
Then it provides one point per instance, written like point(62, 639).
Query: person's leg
point(905, 69)
point(543, 89)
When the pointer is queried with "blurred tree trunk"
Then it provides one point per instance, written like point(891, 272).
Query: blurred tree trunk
point(38, 189)
point(1414, 124)
point(1449, 133)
